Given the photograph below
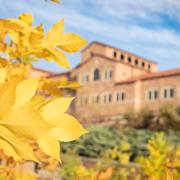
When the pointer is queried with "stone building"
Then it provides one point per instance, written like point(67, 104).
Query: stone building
point(114, 81)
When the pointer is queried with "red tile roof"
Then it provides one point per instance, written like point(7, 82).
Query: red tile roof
point(155, 75)
point(42, 70)
point(58, 74)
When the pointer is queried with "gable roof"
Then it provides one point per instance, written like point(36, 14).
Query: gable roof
point(149, 76)
point(118, 49)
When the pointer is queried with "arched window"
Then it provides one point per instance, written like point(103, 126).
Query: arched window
point(136, 62)
point(115, 54)
point(96, 74)
point(129, 59)
point(143, 64)
point(122, 57)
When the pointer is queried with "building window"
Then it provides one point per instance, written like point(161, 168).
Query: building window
point(123, 96)
point(108, 74)
point(120, 96)
point(86, 100)
point(169, 93)
point(92, 54)
point(96, 74)
point(105, 99)
point(136, 62)
point(94, 99)
point(149, 66)
point(110, 98)
point(143, 64)
point(153, 95)
point(129, 59)
point(97, 99)
point(122, 57)
point(85, 79)
point(115, 54)
point(74, 78)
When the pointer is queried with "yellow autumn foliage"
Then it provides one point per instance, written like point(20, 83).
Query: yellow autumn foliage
point(26, 116)
point(29, 41)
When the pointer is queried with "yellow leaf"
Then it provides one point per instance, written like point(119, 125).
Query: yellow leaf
point(9, 151)
point(7, 96)
point(58, 57)
point(50, 146)
point(27, 18)
point(169, 174)
point(25, 90)
point(70, 42)
point(67, 128)
point(22, 149)
point(53, 86)
point(51, 54)
point(3, 75)
point(37, 102)
point(35, 39)
point(31, 127)
point(56, 1)
point(14, 36)
point(55, 31)
point(57, 107)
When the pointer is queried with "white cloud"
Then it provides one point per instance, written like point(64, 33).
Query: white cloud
point(141, 9)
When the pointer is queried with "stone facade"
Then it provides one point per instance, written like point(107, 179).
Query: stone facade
point(114, 81)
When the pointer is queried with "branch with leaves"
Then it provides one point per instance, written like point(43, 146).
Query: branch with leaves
point(26, 116)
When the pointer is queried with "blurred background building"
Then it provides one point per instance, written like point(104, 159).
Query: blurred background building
point(114, 81)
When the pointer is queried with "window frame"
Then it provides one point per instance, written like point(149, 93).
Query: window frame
point(96, 74)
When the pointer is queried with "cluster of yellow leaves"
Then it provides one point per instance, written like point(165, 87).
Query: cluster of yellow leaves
point(26, 116)
point(29, 42)
point(16, 174)
point(163, 161)
point(54, 86)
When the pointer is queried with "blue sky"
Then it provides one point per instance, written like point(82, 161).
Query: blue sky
point(148, 28)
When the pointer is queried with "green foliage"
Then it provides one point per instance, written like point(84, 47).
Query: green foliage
point(138, 140)
point(73, 169)
point(170, 114)
point(98, 140)
point(130, 154)
point(101, 140)
point(68, 167)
